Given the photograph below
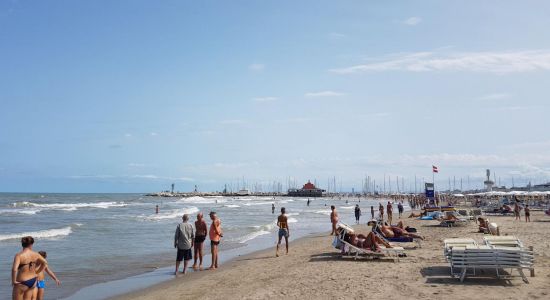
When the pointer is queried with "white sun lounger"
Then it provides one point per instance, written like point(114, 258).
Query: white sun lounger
point(350, 249)
point(456, 242)
point(485, 257)
point(503, 241)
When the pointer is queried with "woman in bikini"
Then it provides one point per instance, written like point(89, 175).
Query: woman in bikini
point(24, 270)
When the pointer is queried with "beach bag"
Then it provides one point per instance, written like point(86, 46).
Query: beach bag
point(410, 229)
point(336, 243)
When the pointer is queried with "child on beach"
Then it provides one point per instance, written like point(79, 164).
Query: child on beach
point(527, 214)
point(41, 283)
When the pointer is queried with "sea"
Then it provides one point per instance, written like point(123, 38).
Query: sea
point(102, 245)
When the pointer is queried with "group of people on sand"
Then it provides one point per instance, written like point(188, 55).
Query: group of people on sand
point(28, 272)
point(187, 238)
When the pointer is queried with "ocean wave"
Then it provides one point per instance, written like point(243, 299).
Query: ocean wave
point(202, 200)
point(323, 212)
point(171, 214)
point(19, 211)
point(256, 203)
point(43, 234)
point(292, 220)
point(347, 207)
point(69, 206)
point(231, 206)
point(251, 236)
point(292, 214)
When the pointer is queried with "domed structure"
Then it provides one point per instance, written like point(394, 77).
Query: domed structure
point(308, 190)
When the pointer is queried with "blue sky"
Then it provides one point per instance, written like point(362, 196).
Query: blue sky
point(130, 96)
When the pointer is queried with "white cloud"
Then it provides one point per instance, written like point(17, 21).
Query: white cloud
point(323, 94)
point(336, 35)
point(256, 67)
point(495, 96)
point(232, 122)
point(412, 21)
point(127, 177)
point(487, 62)
point(265, 99)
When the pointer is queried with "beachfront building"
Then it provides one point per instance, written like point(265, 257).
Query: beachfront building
point(308, 190)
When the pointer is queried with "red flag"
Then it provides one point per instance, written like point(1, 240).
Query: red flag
point(434, 169)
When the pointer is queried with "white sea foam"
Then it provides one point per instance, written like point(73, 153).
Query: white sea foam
point(70, 206)
point(251, 236)
point(231, 206)
point(292, 214)
point(172, 214)
point(256, 203)
point(19, 211)
point(202, 200)
point(292, 220)
point(347, 207)
point(43, 234)
point(323, 212)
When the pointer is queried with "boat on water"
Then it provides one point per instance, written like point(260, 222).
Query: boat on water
point(243, 192)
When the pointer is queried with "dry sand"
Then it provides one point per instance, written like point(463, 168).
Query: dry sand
point(315, 270)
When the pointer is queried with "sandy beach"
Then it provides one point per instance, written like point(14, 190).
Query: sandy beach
point(314, 269)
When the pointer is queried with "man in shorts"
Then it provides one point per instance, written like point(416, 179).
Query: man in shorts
point(215, 233)
point(284, 230)
point(184, 241)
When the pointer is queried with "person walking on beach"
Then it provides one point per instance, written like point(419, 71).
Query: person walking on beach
point(516, 210)
point(400, 209)
point(284, 230)
point(201, 230)
point(41, 283)
point(527, 213)
point(26, 264)
point(183, 241)
point(381, 212)
point(390, 212)
point(357, 213)
point(333, 219)
point(216, 235)
point(372, 212)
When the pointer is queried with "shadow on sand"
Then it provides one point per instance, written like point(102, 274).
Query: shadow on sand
point(442, 275)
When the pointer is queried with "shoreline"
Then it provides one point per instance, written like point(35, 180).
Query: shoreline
point(314, 269)
point(194, 276)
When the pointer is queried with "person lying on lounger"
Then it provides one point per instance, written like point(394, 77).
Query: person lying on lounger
point(415, 215)
point(395, 232)
point(370, 241)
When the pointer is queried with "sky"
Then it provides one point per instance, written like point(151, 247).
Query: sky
point(131, 96)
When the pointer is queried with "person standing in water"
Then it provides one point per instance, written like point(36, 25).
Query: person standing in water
point(372, 212)
point(201, 230)
point(381, 212)
point(357, 213)
point(24, 270)
point(272, 208)
point(183, 241)
point(308, 201)
point(333, 219)
point(41, 284)
point(400, 209)
point(284, 230)
point(216, 235)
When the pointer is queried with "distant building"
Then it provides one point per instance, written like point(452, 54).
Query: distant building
point(489, 183)
point(541, 187)
point(308, 190)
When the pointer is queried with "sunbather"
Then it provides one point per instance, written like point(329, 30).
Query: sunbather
point(483, 224)
point(370, 241)
point(395, 232)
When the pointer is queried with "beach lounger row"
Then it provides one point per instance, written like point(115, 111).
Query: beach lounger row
point(474, 257)
point(349, 249)
point(450, 243)
point(503, 241)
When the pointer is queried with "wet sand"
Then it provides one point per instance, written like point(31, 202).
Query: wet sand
point(314, 269)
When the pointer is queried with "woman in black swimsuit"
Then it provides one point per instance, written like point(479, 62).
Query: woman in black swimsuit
point(23, 273)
